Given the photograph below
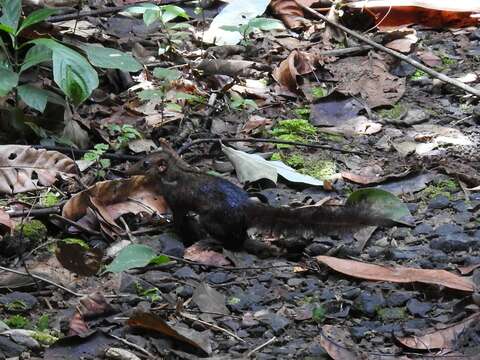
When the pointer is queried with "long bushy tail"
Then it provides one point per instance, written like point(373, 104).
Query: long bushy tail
point(319, 219)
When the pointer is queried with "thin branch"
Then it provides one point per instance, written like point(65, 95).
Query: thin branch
point(37, 277)
point(261, 346)
point(213, 326)
point(272, 141)
point(398, 55)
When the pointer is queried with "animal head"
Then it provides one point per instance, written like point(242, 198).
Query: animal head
point(155, 163)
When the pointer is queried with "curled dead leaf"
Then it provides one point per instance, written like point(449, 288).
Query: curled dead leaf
point(105, 201)
point(397, 274)
point(297, 63)
point(438, 339)
point(23, 168)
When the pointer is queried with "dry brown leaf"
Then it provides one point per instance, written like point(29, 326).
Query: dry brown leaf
point(429, 58)
point(438, 339)
point(23, 168)
point(289, 11)
point(107, 200)
point(368, 77)
point(208, 257)
point(337, 343)
point(430, 13)
point(397, 274)
point(153, 322)
point(5, 220)
point(297, 63)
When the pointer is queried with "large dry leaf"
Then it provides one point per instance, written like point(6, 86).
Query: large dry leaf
point(398, 274)
point(105, 201)
point(430, 13)
point(368, 77)
point(297, 63)
point(153, 322)
point(438, 339)
point(23, 168)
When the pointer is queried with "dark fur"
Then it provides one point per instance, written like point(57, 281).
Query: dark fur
point(226, 211)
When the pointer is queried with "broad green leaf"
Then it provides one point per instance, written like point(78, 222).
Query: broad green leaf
point(36, 55)
point(265, 24)
point(166, 74)
point(150, 16)
point(170, 12)
point(383, 203)
point(7, 29)
point(11, 11)
point(132, 256)
point(36, 17)
point(8, 80)
point(150, 94)
point(140, 9)
point(232, 28)
point(159, 260)
point(33, 96)
point(71, 71)
point(173, 107)
point(111, 58)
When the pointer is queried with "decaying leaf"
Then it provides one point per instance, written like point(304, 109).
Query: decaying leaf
point(203, 256)
point(297, 63)
point(5, 221)
point(23, 168)
point(430, 13)
point(79, 258)
point(397, 274)
point(329, 340)
point(438, 339)
point(153, 322)
point(368, 77)
point(105, 201)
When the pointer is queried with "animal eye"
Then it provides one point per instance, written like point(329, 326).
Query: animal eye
point(146, 164)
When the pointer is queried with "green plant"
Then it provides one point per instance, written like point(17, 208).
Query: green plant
point(123, 135)
point(172, 35)
point(418, 74)
point(253, 25)
point(96, 155)
point(238, 102)
point(166, 77)
point(293, 130)
point(17, 305)
point(43, 322)
point(319, 92)
point(72, 73)
point(17, 322)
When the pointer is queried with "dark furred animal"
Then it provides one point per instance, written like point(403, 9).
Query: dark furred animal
point(226, 211)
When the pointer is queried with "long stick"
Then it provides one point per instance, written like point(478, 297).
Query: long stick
point(402, 57)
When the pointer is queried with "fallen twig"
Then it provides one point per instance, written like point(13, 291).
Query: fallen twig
point(261, 346)
point(272, 141)
point(402, 57)
point(213, 326)
point(37, 277)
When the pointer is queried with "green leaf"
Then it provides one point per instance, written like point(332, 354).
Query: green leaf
point(36, 17)
point(150, 94)
point(150, 16)
point(170, 12)
point(231, 28)
point(159, 260)
point(7, 29)
point(33, 96)
point(140, 9)
point(383, 204)
point(36, 55)
point(132, 256)
point(111, 58)
point(71, 71)
point(173, 107)
point(266, 24)
point(166, 74)
point(8, 80)
point(11, 11)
